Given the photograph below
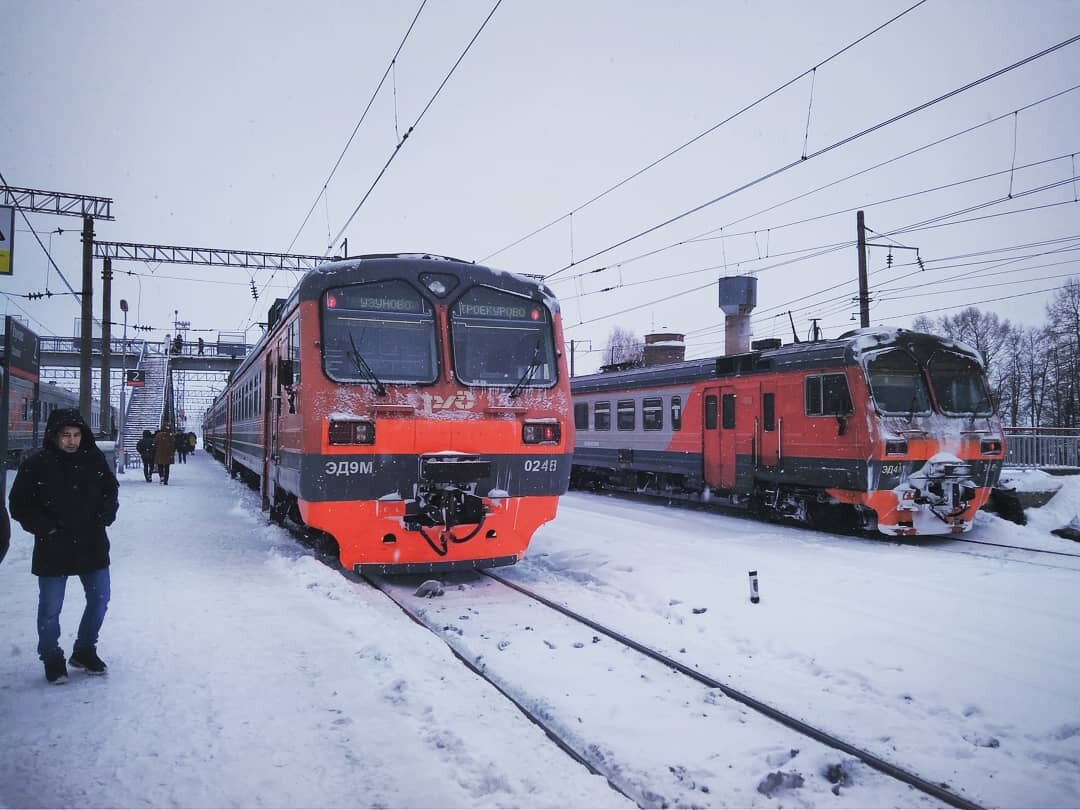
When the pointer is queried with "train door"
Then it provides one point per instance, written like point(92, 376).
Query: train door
point(271, 417)
point(718, 436)
point(229, 432)
point(768, 429)
point(727, 437)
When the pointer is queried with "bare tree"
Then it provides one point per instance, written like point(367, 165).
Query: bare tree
point(623, 346)
point(1063, 331)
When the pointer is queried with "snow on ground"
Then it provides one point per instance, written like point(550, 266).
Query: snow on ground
point(243, 673)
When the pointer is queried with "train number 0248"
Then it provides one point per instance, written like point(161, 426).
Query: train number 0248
point(541, 464)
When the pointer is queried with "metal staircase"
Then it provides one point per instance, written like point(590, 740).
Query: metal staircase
point(147, 405)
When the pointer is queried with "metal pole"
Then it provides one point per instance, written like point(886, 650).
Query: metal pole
point(86, 333)
point(864, 293)
point(106, 349)
point(120, 460)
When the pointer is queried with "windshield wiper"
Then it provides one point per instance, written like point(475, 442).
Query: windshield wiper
point(530, 372)
point(363, 367)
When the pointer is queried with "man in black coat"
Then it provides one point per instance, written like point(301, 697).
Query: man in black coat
point(65, 495)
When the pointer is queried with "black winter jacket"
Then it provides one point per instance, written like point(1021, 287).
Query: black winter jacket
point(66, 500)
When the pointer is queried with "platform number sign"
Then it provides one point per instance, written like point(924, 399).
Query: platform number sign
point(7, 239)
point(136, 377)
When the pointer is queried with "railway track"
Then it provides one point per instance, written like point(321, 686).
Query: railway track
point(938, 542)
point(687, 691)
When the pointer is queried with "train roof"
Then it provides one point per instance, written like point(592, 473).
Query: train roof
point(845, 350)
point(378, 266)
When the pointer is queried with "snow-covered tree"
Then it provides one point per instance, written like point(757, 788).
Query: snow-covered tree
point(623, 346)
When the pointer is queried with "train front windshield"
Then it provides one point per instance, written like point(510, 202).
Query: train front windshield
point(382, 332)
point(501, 339)
point(959, 384)
point(897, 383)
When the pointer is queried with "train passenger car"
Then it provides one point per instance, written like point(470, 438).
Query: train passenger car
point(893, 428)
point(27, 415)
point(412, 407)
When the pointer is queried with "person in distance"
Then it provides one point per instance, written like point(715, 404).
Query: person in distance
point(145, 448)
point(65, 495)
point(164, 447)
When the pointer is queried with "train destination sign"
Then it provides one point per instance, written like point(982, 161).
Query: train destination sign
point(391, 298)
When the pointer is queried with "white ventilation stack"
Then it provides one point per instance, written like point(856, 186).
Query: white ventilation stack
point(738, 297)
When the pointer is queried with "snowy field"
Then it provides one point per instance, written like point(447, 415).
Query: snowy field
point(244, 673)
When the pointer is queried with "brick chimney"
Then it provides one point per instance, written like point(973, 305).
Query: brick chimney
point(664, 347)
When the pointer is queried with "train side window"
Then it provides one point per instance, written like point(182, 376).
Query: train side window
point(602, 416)
point(294, 352)
point(581, 415)
point(827, 395)
point(676, 413)
point(768, 412)
point(652, 413)
point(710, 412)
point(626, 414)
point(727, 411)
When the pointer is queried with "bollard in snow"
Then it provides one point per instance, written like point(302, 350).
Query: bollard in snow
point(754, 597)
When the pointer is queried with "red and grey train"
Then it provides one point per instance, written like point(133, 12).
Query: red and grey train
point(881, 429)
point(413, 408)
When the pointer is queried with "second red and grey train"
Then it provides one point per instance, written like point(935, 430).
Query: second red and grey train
point(413, 408)
point(883, 429)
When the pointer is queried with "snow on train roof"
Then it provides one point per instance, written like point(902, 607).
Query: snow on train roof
point(847, 349)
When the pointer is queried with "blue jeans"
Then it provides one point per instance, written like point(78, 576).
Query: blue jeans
point(51, 600)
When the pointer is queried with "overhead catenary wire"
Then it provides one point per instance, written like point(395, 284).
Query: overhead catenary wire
point(703, 134)
point(824, 150)
point(409, 131)
point(708, 234)
point(359, 123)
point(819, 217)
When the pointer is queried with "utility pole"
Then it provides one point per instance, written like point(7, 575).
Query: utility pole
point(86, 334)
point(106, 349)
point(864, 292)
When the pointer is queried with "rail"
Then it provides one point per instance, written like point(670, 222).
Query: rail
point(1043, 447)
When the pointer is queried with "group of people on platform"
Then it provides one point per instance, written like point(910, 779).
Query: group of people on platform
point(157, 451)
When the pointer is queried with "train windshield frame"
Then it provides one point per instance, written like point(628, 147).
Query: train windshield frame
point(379, 332)
point(897, 383)
point(500, 339)
point(959, 384)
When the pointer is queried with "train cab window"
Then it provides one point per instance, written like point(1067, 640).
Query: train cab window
point(581, 415)
point(652, 413)
point(602, 416)
point(727, 411)
point(768, 412)
point(380, 332)
point(626, 414)
point(710, 412)
point(676, 413)
point(959, 384)
point(897, 384)
point(502, 340)
point(294, 351)
point(827, 395)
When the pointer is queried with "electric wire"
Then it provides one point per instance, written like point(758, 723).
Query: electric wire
point(824, 150)
point(708, 131)
point(924, 147)
point(359, 123)
point(409, 131)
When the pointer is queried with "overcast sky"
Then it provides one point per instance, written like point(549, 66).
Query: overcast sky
point(217, 125)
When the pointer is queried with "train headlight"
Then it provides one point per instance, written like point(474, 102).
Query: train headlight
point(541, 433)
point(990, 447)
point(896, 447)
point(349, 432)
